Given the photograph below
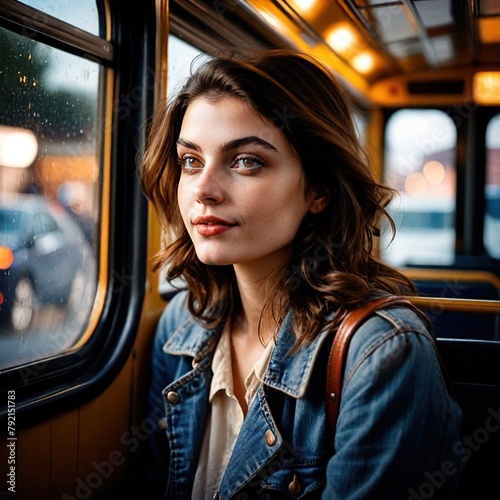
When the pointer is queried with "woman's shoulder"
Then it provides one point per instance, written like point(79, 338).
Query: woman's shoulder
point(391, 320)
point(388, 333)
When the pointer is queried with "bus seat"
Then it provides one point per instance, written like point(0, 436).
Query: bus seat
point(465, 263)
point(459, 284)
point(462, 325)
point(476, 385)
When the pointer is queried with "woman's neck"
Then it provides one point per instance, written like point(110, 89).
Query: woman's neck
point(250, 332)
point(255, 283)
point(255, 317)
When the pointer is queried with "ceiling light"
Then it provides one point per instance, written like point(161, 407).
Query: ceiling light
point(304, 5)
point(340, 39)
point(363, 62)
point(486, 87)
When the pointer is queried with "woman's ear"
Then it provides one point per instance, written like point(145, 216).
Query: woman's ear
point(319, 199)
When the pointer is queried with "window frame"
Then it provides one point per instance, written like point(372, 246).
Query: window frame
point(50, 386)
point(33, 23)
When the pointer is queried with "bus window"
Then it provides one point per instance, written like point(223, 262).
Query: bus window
point(181, 56)
point(49, 197)
point(82, 14)
point(420, 165)
point(492, 189)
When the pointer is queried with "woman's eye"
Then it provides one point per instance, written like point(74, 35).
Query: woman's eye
point(248, 163)
point(189, 163)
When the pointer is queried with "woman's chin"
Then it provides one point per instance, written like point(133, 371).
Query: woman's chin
point(211, 260)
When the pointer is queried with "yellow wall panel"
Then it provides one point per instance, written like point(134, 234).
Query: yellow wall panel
point(64, 453)
point(34, 464)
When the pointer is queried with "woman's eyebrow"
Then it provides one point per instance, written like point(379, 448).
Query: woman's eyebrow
point(234, 144)
point(188, 144)
point(245, 141)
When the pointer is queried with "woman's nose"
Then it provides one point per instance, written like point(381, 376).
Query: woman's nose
point(209, 188)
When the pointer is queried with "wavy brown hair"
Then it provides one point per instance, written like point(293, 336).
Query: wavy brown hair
point(332, 265)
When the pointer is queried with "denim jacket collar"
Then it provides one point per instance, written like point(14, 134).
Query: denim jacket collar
point(286, 373)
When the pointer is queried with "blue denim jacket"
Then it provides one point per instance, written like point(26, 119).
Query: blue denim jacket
point(398, 431)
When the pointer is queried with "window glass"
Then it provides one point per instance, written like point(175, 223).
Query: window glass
point(181, 58)
point(83, 14)
point(49, 198)
point(420, 165)
point(9, 221)
point(43, 224)
point(492, 191)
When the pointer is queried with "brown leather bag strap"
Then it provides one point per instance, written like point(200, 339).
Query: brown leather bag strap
point(340, 345)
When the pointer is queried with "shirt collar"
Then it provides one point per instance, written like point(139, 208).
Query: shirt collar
point(222, 369)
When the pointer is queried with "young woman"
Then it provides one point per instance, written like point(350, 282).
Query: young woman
point(271, 212)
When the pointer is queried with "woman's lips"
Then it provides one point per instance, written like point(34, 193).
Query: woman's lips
point(211, 226)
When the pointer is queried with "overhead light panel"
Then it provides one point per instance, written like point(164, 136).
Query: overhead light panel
point(486, 87)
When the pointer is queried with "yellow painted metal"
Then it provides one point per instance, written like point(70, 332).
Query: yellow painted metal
point(456, 275)
point(475, 306)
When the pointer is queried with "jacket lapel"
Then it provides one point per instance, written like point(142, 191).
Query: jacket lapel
point(291, 374)
point(258, 451)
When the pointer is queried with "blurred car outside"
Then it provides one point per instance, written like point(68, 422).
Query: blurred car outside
point(44, 258)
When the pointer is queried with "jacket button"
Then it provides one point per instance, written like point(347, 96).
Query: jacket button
point(172, 397)
point(270, 438)
point(162, 424)
point(294, 487)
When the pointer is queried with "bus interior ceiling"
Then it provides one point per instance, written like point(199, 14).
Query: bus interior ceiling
point(411, 52)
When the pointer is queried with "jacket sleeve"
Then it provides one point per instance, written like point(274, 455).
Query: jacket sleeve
point(397, 425)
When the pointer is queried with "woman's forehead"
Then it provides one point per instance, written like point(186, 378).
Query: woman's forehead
point(228, 119)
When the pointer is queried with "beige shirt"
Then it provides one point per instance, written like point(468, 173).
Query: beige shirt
point(224, 417)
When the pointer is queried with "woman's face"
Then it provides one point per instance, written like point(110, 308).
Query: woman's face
point(241, 189)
